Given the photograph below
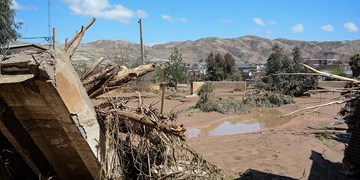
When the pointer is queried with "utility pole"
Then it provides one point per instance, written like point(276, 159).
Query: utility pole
point(54, 38)
point(141, 43)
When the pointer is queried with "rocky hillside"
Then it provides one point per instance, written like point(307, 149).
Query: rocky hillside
point(246, 49)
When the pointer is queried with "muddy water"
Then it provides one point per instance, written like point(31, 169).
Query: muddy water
point(256, 120)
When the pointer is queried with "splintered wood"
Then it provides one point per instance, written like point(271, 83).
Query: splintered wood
point(142, 143)
point(111, 77)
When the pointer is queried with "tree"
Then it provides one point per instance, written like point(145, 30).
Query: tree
point(176, 70)
point(219, 67)
point(8, 26)
point(212, 68)
point(229, 64)
point(355, 65)
point(279, 62)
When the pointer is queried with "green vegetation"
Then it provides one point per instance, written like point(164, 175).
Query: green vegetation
point(8, 26)
point(338, 70)
point(175, 71)
point(325, 138)
point(207, 102)
point(278, 63)
point(355, 65)
point(220, 67)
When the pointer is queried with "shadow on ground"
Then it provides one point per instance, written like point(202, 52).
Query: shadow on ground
point(321, 169)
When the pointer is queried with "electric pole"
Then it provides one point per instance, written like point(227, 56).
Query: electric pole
point(141, 43)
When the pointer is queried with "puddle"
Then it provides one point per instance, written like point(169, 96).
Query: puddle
point(256, 120)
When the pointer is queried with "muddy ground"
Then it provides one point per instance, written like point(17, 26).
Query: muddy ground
point(260, 140)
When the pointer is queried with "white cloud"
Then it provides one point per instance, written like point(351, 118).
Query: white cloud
point(103, 9)
point(298, 28)
point(16, 6)
point(327, 27)
point(258, 21)
point(226, 21)
point(350, 26)
point(183, 19)
point(272, 22)
point(169, 18)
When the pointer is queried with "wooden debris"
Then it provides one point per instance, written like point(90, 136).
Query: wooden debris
point(92, 68)
point(111, 77)
point(331, 75)
point(141, 144)
point(319, 106)
point(71, 46)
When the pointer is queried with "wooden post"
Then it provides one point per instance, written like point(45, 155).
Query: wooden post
point(54, 38)
point(141, 42)
point(162, 87)
point(66, 44)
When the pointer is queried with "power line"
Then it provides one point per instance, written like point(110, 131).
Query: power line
point(43, 37)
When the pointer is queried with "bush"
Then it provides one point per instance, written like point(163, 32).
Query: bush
point(236, 76)
point(261, 85)
point(338, 70)
point(208, 102)
point(268, 100)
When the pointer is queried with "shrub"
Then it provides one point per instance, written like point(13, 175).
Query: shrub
point(207, 102)
point(338, 70)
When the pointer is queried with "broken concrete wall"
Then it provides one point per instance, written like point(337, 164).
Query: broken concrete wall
point(50, 104)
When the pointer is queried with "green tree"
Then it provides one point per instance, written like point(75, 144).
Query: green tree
point(176, 70)
point(214, 70)
point(355, 65)
point(8, 26)
point(279, 62)
point(219, 67)
point(229, 64)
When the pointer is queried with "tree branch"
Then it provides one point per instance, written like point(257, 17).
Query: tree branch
point(318, 106)
point(331, 75)
point(75, 41)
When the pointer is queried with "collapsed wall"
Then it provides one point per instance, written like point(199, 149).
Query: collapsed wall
point(47, 117)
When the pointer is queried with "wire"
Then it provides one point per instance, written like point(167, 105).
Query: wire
point(44, 37)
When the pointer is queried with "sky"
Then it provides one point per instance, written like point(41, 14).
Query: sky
point(181, 20)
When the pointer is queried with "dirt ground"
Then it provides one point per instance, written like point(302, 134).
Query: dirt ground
point(280, 146)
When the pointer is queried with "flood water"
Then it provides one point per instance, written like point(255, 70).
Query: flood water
point(256, 120)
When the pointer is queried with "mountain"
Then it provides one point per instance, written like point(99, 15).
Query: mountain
point(246, 49)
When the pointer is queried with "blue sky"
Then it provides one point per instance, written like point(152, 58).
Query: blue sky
point(181, 20)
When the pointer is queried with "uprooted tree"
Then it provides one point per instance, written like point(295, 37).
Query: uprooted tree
point(280, 63)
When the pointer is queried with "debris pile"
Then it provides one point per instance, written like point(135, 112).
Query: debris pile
point(141, 142)
point(111, 77)
point(56, 123)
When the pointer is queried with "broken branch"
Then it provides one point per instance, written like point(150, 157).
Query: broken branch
point(143, 120)
point(75, 41)
point(331, 75)
point(318, 106)
point(92, 68)
point(101, 75)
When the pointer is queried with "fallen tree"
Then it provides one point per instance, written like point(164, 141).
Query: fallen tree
point(111, 77)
